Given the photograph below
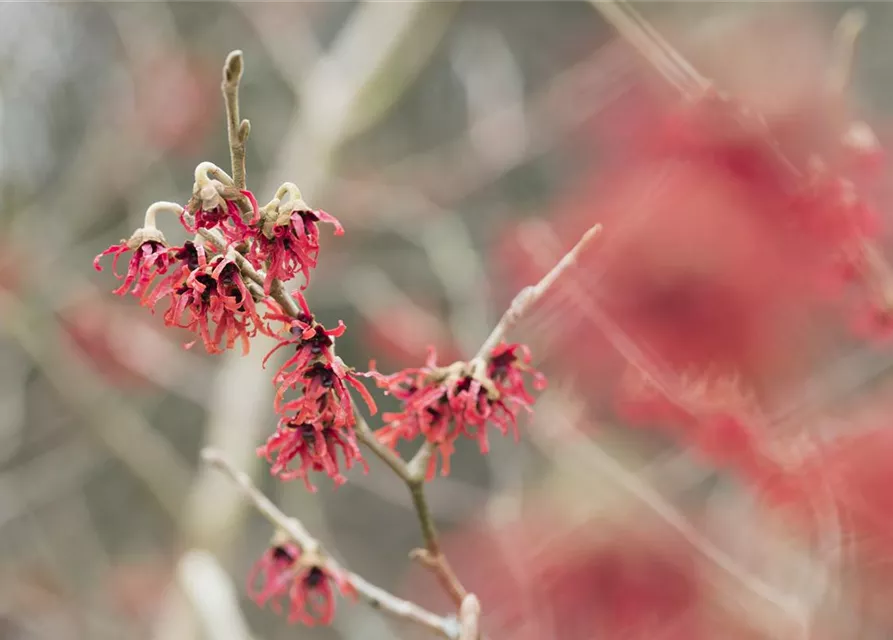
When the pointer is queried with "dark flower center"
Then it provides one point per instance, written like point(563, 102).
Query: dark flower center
point(318, 343)
point(314, 577)
point(281, 554)
point(500, 365)
point(308, 432)
point(465, 384)
point(323, 373)
point(188, 255)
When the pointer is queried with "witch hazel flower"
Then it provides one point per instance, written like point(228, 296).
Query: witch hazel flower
point(151, 254)
point(285, 572)
point(315, 447)
point(215, 205)
point(310, 339)
point(286, 238)
point(443, 403)
point(325, 396)
point(209, 298)
point(322, 377)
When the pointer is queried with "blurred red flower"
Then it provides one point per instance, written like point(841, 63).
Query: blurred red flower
point(177, 100)
point(724, 216)
point(544, 577)
point(104, 332)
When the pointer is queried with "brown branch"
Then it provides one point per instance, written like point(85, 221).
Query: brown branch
point(236, 131)
point(375, 596)
point(385, 453)
point(413, 472)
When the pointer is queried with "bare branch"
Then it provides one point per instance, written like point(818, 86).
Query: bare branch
point(121, 429)
point(528, 296)
point(376, 597)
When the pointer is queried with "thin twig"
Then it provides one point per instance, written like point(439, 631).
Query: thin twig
point(385, 453)
point(237, 130)
point(377, 597)
point(413, 474)
point(528, 296)
point(121, 429)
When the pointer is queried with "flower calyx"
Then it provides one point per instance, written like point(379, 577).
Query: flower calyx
point(144, 235)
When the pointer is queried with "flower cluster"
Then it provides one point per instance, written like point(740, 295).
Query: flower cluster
point(211, 286)
point(320, 421)
point(283, 572)
point(224, 285)
point(207, 293)
point(443, 403)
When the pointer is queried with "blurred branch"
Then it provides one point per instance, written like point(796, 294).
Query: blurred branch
point(122, 430)
point(47, 478)
point(213, 597)
point(402, 64)
point(470, 617)
point(375, 596)
point(334, 90)
point(453, 170)
point(288, 39)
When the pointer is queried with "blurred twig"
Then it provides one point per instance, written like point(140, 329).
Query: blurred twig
point(119, 428)
point(213, 596)
point(470, 618)
point(361, 57)
point(453, 170)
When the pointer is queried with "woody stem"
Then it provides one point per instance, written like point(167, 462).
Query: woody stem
point(237, 131)
point(378, 598)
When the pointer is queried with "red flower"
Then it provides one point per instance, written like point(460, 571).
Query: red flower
point(151, 257)
point(548, 576)
point(208, 293)
point(443, 403)
point(325, 396)
point(312, 341)
point(720, 225)
point(280, 573)
point(315, 446)
point(215, 206)
point(507, 371)
point(315, 368)
point(288, 243)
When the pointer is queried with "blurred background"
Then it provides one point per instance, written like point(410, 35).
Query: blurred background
point(465, 147)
